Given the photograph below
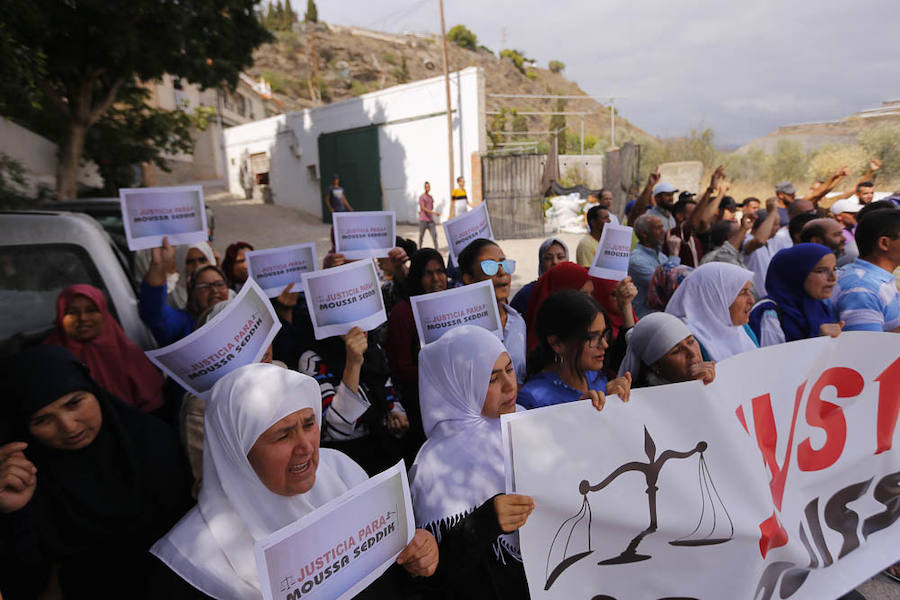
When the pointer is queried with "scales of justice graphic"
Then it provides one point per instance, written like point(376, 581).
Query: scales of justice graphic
point(711, 501)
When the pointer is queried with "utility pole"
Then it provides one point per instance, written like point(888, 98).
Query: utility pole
point(449, 112)
point(612, 122)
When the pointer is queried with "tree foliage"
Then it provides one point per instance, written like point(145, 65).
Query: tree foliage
point(93, 53)
point(518, 59)
point(789, 162)
point(280, 16)
point(463, 37)
point(312, 13)
point(883, 143)
point(558, 123)
point(557, 66)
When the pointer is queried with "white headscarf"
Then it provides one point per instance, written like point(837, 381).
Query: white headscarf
point(178, 295)
point(461, 464)
point(212, 546)
point(703, 301)
point(650, 339)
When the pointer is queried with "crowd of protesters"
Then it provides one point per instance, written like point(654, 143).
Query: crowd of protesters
point(113, 478)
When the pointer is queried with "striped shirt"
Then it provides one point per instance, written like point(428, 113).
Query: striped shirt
point(342, 410)
point(866, 298)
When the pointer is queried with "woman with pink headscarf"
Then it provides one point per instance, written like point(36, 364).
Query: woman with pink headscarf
point(85, 326)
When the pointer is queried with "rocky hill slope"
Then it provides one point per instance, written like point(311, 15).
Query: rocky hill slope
point(317, 63)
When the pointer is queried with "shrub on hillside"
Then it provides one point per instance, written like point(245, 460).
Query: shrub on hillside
point(275, 80)
point(517, 58)
point(463, 37)
point(789, 162)
point(752, 165)
point(828, 159)
point(883, 143)
point(557, 66)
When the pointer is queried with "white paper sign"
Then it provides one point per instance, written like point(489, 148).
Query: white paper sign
point(439, 312)
point(613, 252)
point(344, 297)
point(237, 336)
point(149, 214)
point(782, 486)
point(469, 226)
point(364, 234)
point(275, 268)
point(337, 550)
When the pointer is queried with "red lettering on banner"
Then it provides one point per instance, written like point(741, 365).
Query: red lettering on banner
point(772, 535)
point(767, 440)
point(740, 415)
point(888, 406)
point(828, 416)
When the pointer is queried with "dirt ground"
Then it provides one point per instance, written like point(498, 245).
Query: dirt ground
point(271, 226)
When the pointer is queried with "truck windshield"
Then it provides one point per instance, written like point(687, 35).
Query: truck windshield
point(31, 278)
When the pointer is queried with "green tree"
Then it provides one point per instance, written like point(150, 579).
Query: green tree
point(557, 66)
point(312, 13)
point(789, 162)
point(496, 127)
point(517, 57)
point(519, 122)
point(462, 37)
point(94, 52)
point(883, 143)
point(402, 72)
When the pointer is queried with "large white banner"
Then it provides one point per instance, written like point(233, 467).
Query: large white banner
point(237, 336)
point(337, 550)
point(364, 234)
point(344, 297)
point(613, 252)
point(275, 268)
point(779, 480)
point(469, 226)
point(150, 214)
point(439, 312)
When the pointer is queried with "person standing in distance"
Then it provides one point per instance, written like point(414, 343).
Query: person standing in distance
point(336, 199)
point(459, 198)
point(427, 215)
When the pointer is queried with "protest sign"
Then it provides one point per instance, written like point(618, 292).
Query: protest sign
point(237, 336)
point(369, 234)
point(784, 485)
point(275, 268)
point(337, 550)
point(344, 297)
point(439, 312)
point(613, 252)
point(149, 214)
point(469, 226)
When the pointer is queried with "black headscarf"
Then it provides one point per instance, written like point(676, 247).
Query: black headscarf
point(102, 506)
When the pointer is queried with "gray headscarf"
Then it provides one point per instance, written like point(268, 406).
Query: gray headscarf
point(546, 246)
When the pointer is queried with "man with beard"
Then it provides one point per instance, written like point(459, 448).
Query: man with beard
point(827, 232)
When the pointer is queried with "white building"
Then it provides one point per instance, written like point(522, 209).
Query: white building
point(384, 145)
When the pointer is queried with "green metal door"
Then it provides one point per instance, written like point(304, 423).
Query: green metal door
point(353, 156)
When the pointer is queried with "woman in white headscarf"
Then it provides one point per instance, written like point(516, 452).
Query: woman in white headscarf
point(188, 258)
point(466, 381)
point(715, 303)
point(262, 470)
point(662, 350)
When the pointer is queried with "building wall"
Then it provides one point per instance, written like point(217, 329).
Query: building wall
point(412, 137)
point(592, 164)
point(38, 156)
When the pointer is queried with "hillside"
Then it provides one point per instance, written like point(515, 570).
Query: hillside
point(839, 131)
point(349, 61)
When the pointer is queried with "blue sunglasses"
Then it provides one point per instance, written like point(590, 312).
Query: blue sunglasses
point(490, 267)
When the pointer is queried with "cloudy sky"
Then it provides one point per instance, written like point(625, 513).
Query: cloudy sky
point(742, 68)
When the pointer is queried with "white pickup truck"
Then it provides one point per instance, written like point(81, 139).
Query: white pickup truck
point(43, 252)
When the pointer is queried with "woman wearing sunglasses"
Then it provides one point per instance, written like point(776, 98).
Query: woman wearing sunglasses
point(567, 364)
point(484, 260)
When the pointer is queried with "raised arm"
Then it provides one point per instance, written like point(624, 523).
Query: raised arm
point(701, 218)
point(643, 202)
point(827, 186)
point(764, 231)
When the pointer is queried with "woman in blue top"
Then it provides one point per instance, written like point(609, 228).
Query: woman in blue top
point(567, 364)
point(799, 283)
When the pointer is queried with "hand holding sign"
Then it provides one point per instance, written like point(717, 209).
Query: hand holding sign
point(437, 313)
point(162, 262)
point(420, 557)
point(148, 214)
point(274, 268)
point(461, 230)
point(613, 252)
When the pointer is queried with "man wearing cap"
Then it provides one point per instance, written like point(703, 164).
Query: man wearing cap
point(336, 199)
point(664, 196)
point(785, 193)
point(845, 212)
